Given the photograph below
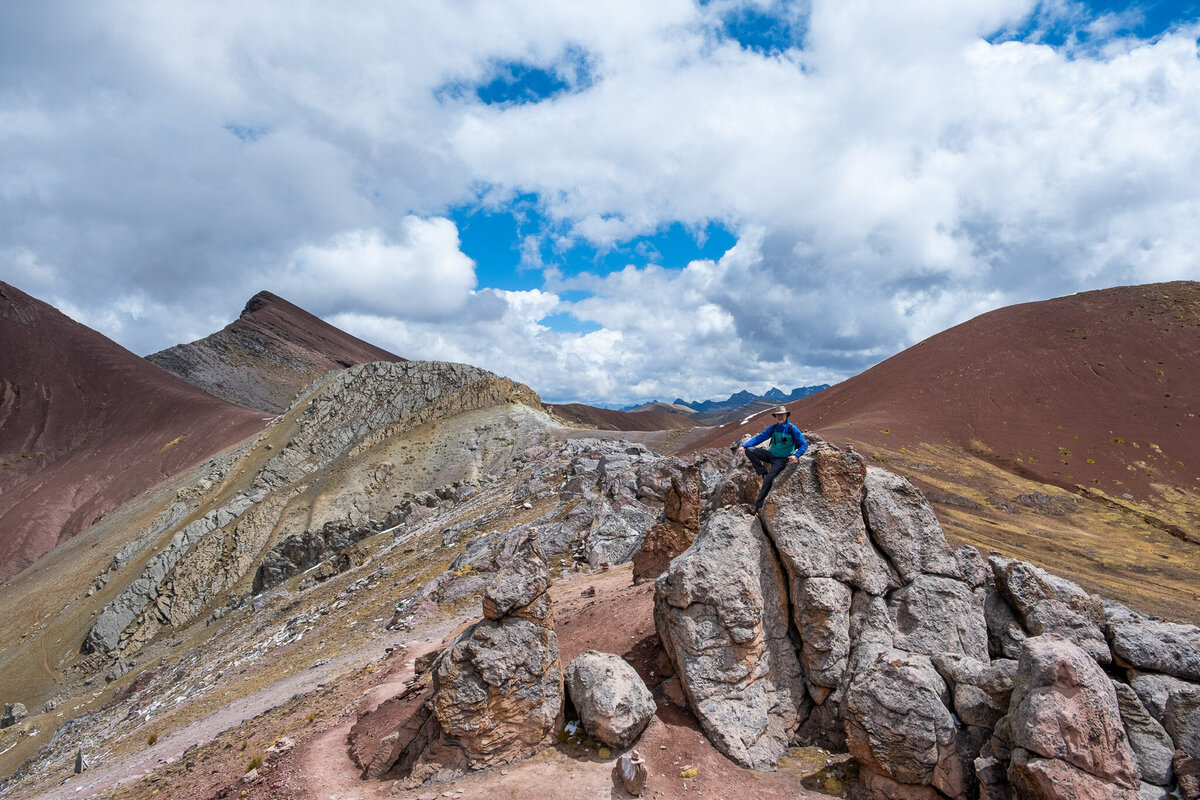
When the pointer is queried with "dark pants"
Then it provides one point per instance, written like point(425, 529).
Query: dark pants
point(766, 465)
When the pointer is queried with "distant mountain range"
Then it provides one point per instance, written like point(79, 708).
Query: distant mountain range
point(739, 399)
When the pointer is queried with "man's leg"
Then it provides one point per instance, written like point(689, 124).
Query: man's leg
point(777, 465)
point(759, 458)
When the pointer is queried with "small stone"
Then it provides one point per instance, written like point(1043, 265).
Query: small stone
point(630, 770)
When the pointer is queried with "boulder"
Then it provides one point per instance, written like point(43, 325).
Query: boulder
point(518, 584)
point(497, 691)
point(898, 723)
point(904, 527)
point(1155, 690)
point(1048, 604)
point(816, 522)
point(821, 609)
point(1035, 778)
point(13, 713)
point(1064, 708)
point(1148, 739)
point(933, 615)
point(721, 614)
point(1005, 634)
point(1187, 773)
point(1164, 647)
point(613, 703)
point(1181, 718)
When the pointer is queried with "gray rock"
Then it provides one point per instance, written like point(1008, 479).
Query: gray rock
point(517, 584)
point(1181, 718)
point(899, 726)
point(1148, 739)
point(816, 522)
point(721, 614)
point(1149, 791)
point(1165, 647)
point(1064, 707)
point(1155, 690)
point(904, 527)
point(618, 535)
point(1048, 604)
point(614, 704)
point(1005, 634)
point(13, 713)
point(821, 609)
point(935, 615)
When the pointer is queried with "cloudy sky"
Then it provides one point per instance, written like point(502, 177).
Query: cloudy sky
point(611, 201)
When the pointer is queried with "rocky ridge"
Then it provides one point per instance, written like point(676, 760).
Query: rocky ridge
point(197, 556)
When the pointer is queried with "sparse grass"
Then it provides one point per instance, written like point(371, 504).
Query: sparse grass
point(152, 739)
point(171, 443)
point(255, 762)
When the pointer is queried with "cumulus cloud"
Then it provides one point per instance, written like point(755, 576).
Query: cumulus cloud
point(898, 169)
point(421, 274)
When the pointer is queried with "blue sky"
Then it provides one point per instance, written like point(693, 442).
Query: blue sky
point(611, 202)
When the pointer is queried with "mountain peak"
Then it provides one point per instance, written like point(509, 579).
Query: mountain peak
point(269, 353)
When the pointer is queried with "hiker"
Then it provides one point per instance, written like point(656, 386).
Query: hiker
point(787, 445)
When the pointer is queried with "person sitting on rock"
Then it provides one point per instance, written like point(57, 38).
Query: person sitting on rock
point(787, 445)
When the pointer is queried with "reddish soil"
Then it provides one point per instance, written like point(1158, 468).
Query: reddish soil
point(267, 355)
point(86, 425)
point(616, 618)
point(607, 419)
point(1095, 389)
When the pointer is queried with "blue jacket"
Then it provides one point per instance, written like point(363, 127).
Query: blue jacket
point(797, 437)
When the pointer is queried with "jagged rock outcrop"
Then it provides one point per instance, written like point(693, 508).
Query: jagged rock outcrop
point(945, 675)
point(721, 613)
point(497, 690)
point(613, 702)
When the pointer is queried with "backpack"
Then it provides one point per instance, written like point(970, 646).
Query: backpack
point(783, 444)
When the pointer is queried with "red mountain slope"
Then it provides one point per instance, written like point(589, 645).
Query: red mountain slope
point(1096, 390)
point(607, 419)
point(85, 425)
point(267, 355)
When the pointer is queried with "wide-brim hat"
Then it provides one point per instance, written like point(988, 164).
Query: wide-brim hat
point(781, 410)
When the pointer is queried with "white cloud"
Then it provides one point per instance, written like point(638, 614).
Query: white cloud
point(422, 274)
point(897, 175)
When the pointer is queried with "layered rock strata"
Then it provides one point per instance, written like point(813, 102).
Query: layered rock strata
point(212, 551)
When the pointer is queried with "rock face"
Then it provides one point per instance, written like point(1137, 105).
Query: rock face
point(497, 690)
point(614, 704)
point(839, 616)
point(721, 613)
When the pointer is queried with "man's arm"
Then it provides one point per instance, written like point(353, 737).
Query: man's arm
point(762, 437)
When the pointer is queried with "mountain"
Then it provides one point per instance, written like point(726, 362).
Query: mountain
point(743, 398)
point(85, 425)
point(653, 417)
point(1063, 430)
point(383, 593)
point(268, 354)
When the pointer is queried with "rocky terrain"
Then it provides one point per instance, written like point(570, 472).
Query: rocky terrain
point(1060, 432)
point(266, 356)
point(416, 582)
point(86, 425)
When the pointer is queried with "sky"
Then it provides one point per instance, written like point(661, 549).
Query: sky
point(612, 201)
